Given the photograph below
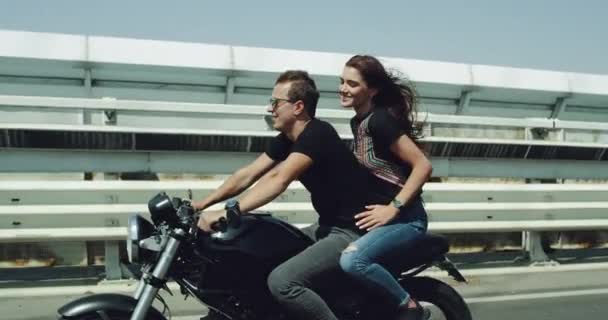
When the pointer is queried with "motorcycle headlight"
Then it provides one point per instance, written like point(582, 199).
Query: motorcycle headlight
point(138, 229)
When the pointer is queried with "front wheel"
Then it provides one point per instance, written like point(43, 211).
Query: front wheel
point(105, 315)
point(100, 315)
point(445, 302)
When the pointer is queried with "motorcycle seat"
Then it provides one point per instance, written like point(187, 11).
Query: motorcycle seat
point(427, 249)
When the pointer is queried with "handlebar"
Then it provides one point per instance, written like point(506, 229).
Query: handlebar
point(177, 212)
point(232, 219)
point(185, 212)
point(220, 226)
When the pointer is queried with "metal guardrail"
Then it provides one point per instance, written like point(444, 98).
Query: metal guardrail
point(57, 223)
point(14, 160)
point(504, 214)
point(243, 120)
point(123, 191)
point(63, 234)
point(34, 127)
point(33, 211)
point(94, 201)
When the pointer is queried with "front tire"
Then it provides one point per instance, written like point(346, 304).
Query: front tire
point(111, 315)
point(439, 294)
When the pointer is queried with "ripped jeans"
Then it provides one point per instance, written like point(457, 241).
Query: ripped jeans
point(363, 259)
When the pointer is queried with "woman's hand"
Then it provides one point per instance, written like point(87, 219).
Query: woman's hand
point(376, 216)
point(206, 219)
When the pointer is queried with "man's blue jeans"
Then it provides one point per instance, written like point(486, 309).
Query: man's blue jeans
point(363, 259)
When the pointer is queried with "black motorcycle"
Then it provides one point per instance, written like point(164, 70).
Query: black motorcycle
point(227, 269)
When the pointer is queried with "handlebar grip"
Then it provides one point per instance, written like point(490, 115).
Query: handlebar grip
point(233, 213)
point(232, 204)
point(221, 225)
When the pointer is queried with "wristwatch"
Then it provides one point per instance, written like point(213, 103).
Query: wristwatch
point(397, 204)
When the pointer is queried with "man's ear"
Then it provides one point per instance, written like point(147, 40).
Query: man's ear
point(298, 107)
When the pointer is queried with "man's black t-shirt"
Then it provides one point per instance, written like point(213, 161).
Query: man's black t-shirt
point(340, 187)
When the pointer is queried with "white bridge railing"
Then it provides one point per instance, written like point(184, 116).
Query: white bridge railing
point(39, 211)
point(119, 115)
point(458, 145)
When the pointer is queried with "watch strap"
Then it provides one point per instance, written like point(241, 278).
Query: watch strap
point(397, 204)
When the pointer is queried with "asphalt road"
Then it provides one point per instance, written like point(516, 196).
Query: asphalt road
point(551, 293)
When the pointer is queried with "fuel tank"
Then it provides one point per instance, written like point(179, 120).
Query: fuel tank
point(244, 255)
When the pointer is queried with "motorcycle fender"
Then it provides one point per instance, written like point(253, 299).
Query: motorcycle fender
point(106, 302)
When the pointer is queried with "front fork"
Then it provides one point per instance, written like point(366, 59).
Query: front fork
point(150, 284)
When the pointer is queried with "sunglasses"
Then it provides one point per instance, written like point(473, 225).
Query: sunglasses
point(274, 102)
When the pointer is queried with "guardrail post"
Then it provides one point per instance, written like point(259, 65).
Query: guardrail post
point(88, 85)
point(532, 240)
point(113, 268)
point(533, 248)
point(112, 251)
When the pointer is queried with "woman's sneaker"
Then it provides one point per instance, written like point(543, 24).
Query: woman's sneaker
point(417, 313)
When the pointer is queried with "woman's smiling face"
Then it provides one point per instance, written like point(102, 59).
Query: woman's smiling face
point(353, 89)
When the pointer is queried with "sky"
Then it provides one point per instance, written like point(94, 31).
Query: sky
point(539, 34)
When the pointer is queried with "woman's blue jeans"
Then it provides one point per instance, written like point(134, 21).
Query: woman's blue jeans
point(363, 258)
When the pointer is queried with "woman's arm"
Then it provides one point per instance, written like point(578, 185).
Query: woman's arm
point(406, 150)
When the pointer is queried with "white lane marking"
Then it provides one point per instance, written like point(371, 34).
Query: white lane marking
point(533, 296)
point(526, 269)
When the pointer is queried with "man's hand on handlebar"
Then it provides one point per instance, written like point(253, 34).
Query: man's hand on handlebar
point(208, 218)
point(199, 205)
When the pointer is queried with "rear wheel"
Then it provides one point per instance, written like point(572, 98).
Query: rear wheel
point(214, 315)
point(440, 298)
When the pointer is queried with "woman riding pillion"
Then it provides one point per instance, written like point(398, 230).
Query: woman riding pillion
point(385, 141)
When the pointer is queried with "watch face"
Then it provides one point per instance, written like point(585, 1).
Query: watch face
point(397, 204)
